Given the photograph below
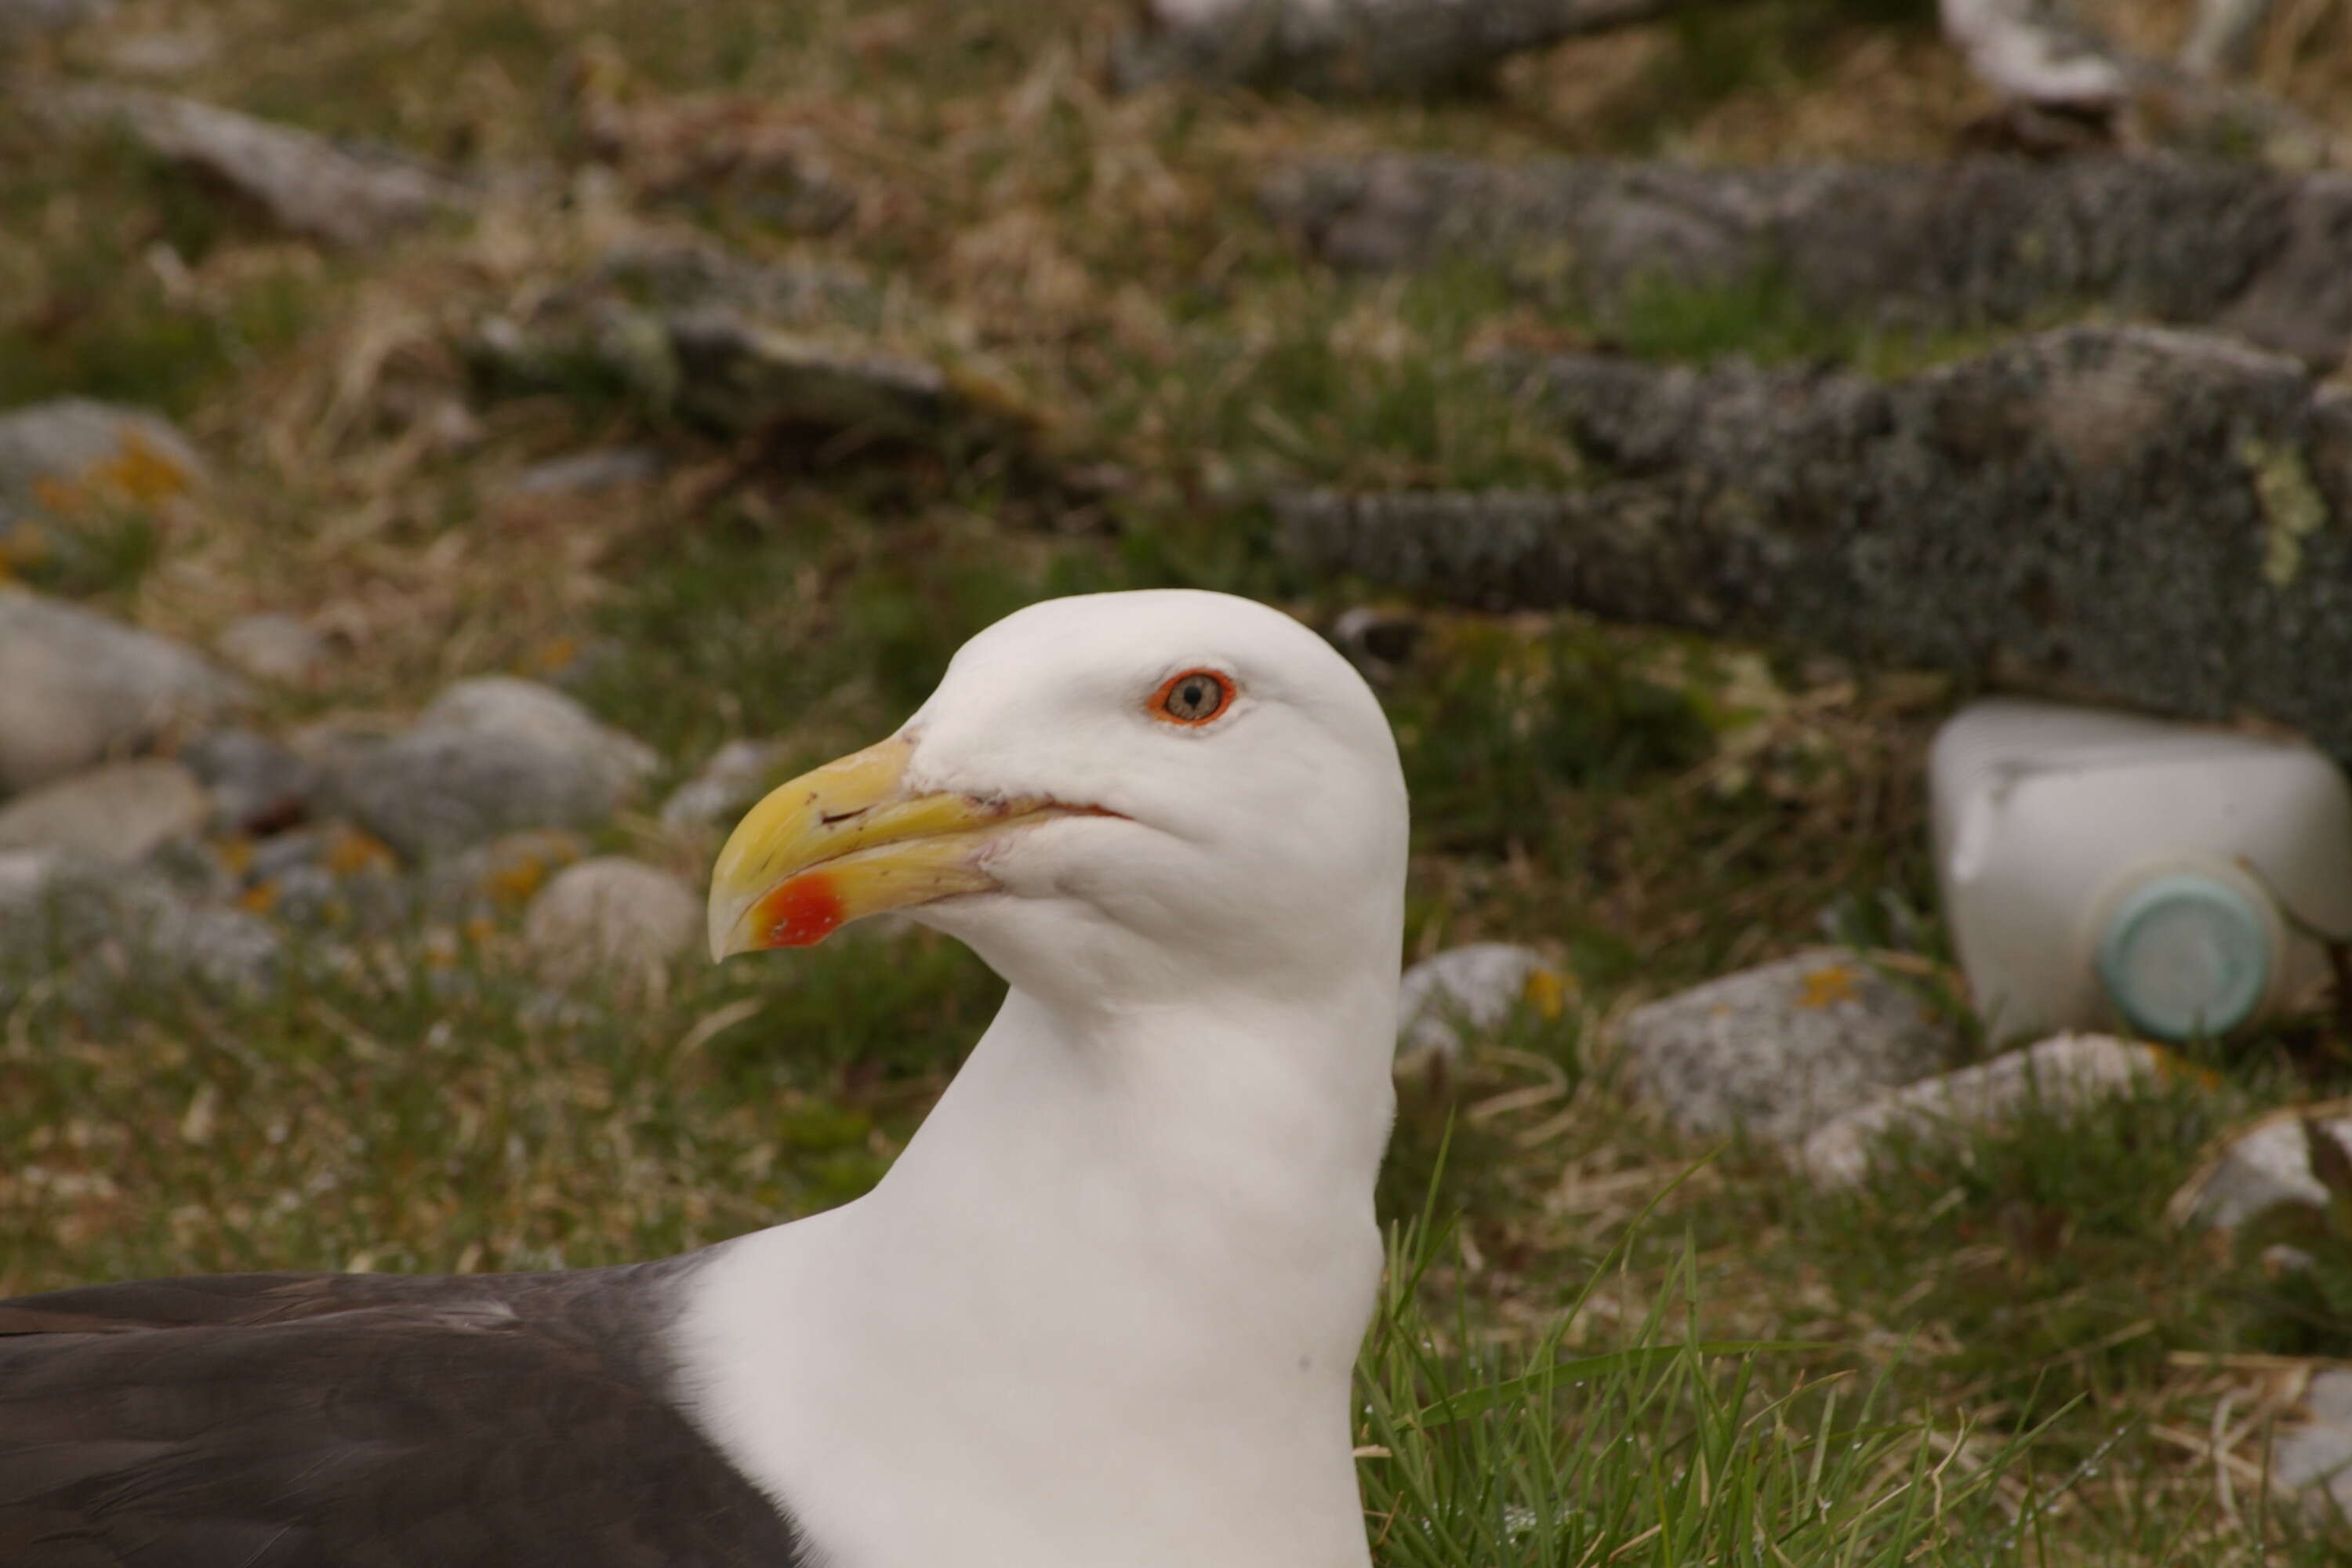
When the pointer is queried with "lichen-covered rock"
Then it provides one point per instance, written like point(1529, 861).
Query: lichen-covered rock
point(2152, 517)
point(118, 814)
point(2259, 1166)
point(2060, 1075)
point(1468, 989)
point(490, 755)
point(612, 919)
point(733, 780)
point(1783, 1048)
point(76, 688)
point(1978, 242)
point(72, 454)
point(1354, 47)
point(502, 876)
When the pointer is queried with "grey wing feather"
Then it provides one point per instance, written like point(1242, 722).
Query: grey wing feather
point(363, 1421)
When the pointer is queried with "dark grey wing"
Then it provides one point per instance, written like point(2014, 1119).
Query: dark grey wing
point(363, 1421)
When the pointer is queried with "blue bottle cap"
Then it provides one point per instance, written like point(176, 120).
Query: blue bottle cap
point(2185, 955)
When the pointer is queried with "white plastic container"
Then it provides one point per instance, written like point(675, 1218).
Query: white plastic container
point(2100, 870)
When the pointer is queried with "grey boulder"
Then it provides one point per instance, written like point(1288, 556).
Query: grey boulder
point(1783, 1048)
point(491, 755)
point(76, 688)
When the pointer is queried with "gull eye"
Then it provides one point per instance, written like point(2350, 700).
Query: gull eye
point(1194, 696)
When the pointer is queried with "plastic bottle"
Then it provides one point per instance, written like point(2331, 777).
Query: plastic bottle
point(2102, 870)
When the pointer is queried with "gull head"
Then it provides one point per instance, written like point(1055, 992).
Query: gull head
point(1122, 798)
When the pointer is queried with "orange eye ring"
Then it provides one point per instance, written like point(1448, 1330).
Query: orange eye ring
point(1193, 697)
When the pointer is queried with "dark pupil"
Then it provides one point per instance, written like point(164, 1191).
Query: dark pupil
point(1192, 697)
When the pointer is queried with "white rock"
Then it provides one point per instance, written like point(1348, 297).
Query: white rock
point(110, 451)
point(165, 54)
point(308, 184)
point(1468, 989)
point(735, 777)
point(274, 647)
point(2258, 1166)
point(1783, 1049)
point(76, 688)
point(2315, 1453)
point(116, 815)
point(586, 473)
point(2066, 1073)
point(611, 918)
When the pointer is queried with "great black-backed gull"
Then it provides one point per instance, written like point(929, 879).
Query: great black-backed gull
point(1101, 1313)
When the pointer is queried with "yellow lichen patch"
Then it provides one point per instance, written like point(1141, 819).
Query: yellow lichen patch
point(554, 654)
point(1547, 991)
point(1827, 987)
point(2292, 508)
point(139, 473)
point(2175, 1068)
point(353, 851)
point(513, 883)
point(61, 498)
point(259, 898)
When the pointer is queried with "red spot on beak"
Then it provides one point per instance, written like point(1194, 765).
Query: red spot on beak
point(800, 912)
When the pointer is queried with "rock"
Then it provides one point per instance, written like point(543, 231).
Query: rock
point(2203, 569)
point(76, 688)
point(1470, 989)
point(737, 346)
point(164, 55)
point(505, 874)
point(1970, 243)
point(273, 647)
point(611, 918)
point(2315, 1455)
point(257, 786)
point(2065, 1074)
point(115, 815)
point(333, 874)
point(1354, 47)
point(733, 781)
point(71, 453)
point(227, 950)
point(589, 472)
point(2258, 1166)
point(1783, 1049)
point(22, 16)
point(490, 755)
point(736, 373)
point(110, 928)
point(305, 184)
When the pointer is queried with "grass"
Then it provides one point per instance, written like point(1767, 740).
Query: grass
point(2003, 1352)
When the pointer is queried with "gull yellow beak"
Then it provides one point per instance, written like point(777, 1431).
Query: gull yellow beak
point(848, 841)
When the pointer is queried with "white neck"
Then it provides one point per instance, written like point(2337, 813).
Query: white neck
point(1105, 1307)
